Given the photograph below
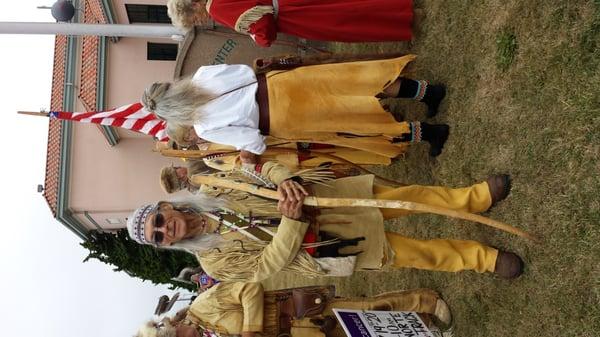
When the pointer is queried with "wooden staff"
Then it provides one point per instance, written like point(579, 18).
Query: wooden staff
point(199, 154)
point(196, 154)
point(33, 113)
point(351, 202)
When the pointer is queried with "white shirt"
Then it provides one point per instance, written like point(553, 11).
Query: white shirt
point(230, 119)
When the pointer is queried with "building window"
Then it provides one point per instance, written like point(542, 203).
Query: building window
point(147, 14)
point(162, 51)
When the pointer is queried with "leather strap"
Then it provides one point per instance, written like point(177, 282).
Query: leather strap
point(262, 98)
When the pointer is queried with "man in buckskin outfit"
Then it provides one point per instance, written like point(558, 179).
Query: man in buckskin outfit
point(236, 308)
point(235, 240)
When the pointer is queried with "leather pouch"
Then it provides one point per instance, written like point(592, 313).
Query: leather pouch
point(311, 301)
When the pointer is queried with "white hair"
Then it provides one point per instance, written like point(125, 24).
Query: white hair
point(198, 243)
point(150, 329)
point(198, 202)
point(185, 15)
point(179, 103)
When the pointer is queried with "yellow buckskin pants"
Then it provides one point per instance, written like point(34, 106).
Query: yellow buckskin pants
point(441, 254)
point(422, 301)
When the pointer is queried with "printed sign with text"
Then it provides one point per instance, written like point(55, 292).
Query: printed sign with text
point(366, 323)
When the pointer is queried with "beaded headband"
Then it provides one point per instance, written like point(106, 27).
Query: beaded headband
point(137, 222)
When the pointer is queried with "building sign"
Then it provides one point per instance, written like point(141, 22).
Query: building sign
point(364, 323)
point(224, 52)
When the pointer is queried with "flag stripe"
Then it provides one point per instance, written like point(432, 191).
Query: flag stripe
point(123, 110)
point(132, 116)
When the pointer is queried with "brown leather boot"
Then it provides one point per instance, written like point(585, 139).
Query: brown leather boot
point(499, 185)
point(508, 265)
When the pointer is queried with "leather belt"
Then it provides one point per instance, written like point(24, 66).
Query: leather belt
point(262, 98)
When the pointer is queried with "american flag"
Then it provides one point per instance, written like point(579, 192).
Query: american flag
point(133, 117)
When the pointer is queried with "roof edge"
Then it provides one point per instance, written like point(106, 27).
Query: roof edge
point(45, 193)
point(108, 11)
point(107, 8)
point(63, 214)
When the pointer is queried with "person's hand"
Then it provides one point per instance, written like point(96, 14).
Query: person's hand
point(291, 189)
point(291, 199)
point(248, 157)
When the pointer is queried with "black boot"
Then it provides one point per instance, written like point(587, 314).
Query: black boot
point(436, 135)
point(422, 91)
point(434, 94)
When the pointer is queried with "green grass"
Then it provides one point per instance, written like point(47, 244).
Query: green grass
point(506, 44)
point(590, 37)
point(538, 119)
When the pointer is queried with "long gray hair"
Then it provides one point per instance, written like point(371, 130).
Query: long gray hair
point(179, 133)
point(178, 103)
point(185, 15)
point(150, 329)
point(197, 204)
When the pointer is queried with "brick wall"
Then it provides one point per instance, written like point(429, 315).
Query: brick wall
point(97, 13)
point(89, 58)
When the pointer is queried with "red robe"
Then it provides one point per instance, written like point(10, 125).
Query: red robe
point(326, 20)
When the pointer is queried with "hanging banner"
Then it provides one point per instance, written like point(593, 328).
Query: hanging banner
point(365, 323)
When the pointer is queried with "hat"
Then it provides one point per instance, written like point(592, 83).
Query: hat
point(169, 181)
point(137, 222)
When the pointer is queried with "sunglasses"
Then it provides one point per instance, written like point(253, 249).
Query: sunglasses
point(159, 221)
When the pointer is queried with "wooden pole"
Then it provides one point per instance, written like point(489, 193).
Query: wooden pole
point(272, 149)
point(350, 202)
point(203, 153)
point(34, 113)
point(87, 29)
point(191, 153)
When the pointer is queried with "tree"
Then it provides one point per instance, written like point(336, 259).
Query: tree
point(141, 261)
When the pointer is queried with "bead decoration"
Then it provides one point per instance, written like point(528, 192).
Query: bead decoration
point(422, 88)
point(415, 132)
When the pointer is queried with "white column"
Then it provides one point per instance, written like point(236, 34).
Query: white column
point(148, 31)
